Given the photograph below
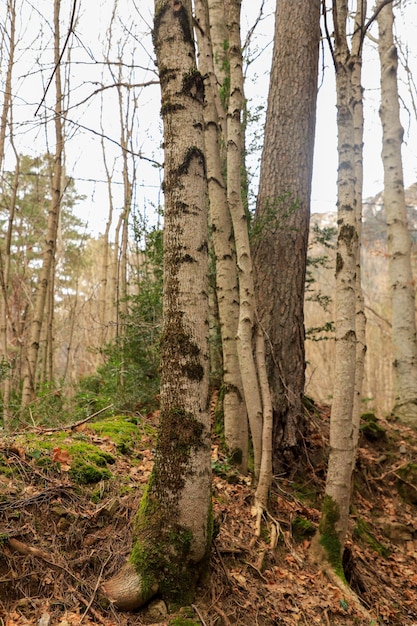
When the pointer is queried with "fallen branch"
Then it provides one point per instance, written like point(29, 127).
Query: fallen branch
point(26, 550)
point(75, 424)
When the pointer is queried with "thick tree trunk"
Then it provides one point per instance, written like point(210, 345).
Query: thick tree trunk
point(404, 337)
point(280, 231)
point(172, 529)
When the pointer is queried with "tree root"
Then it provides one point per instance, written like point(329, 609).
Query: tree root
point(317, 556)
point(126, 590)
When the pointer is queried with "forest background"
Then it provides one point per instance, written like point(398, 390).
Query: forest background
point(111, 100)
point(81, 316)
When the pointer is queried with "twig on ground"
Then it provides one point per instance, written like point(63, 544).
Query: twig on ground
point(97, 585)
point(258, 571)
point(200, 617)
point(222, 563)
point(90, 609)
point(222, 614)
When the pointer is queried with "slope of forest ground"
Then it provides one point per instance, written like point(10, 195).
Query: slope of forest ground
point(67, 499)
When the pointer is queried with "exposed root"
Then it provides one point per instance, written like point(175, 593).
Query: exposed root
point(317, 555)
point(126, 589)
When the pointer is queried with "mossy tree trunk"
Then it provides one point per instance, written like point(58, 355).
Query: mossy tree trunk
point(172, 529)
point(281, 225)
point(329, 542)
point(404, 337)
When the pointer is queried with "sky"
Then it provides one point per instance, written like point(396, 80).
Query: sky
point(89, 116)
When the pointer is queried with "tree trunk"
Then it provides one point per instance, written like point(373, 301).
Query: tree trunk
point(329, 542)
point(5, 364)
point(280, 230)
point(219, 38)
point(172, 529)
point(360, 322)
point(51, 234)
point(247, 305)
point(234, 409)
point(404, 337)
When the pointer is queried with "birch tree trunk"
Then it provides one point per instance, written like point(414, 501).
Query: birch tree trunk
point(330, 540)
point(172, 529)
point(281, 225)
point(358, 124)
point(234, 409)
point(404, 337)
point(51, 234)
point(247, 305)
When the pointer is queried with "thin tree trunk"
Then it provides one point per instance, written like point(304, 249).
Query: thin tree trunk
point(234, 409)
point(358, 123)
point(404, 336)
point(50, 240)
point(329, 543)
point(107, 300)
point(5, 262)
point(247, 306)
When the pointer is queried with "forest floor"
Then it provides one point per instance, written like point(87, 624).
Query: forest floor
point(67, 499)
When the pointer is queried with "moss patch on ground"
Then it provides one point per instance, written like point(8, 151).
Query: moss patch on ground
point(88, 456)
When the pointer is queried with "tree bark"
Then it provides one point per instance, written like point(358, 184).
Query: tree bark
point(329, 543)
point(231, 396)
point(280, 230)
point(172, 529)
point(404, 336)
point(6, 365)
point(247, 304)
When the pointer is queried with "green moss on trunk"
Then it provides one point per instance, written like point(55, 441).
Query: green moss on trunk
point(161, 551)
point(329, 537)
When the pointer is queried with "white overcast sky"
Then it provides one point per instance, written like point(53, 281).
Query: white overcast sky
point(84, 158)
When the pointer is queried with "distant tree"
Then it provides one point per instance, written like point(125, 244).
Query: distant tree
point(9, 43)
point(404, 335)
point(49, 247)
point(281, 223)
point(27, 191)
point(172, 528)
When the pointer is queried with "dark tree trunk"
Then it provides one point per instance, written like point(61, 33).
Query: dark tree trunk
point(280, 233)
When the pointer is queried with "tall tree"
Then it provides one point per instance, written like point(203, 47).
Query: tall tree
point(280, 230)
point(52, 228)
point(330, 540)
point(404, 336)
point(231, 395)
point(172, 529)
point(5, 365)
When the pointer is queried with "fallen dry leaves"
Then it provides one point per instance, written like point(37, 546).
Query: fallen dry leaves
point(251, 585)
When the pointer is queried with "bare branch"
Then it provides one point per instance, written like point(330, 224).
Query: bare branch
point(70, 30)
